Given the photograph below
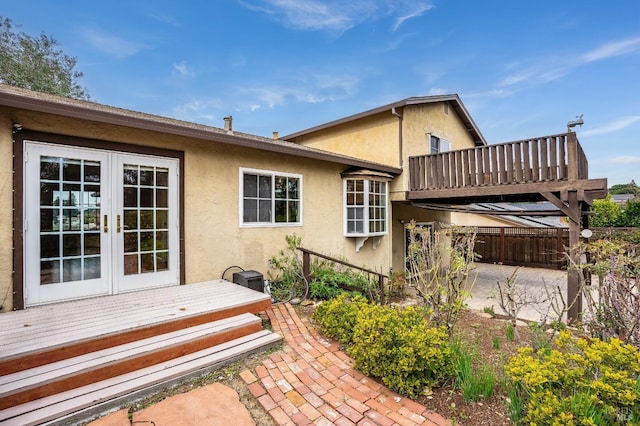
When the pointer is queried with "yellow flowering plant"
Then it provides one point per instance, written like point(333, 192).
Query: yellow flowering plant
point(577, 382)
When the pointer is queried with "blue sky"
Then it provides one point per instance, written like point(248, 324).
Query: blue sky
point(523, 69)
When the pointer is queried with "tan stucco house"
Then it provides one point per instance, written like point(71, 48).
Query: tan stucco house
point(98, 200)
point(390, 134)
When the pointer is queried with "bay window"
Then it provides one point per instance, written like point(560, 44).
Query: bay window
point(365, 207)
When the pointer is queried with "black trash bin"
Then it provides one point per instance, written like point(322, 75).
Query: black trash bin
point(250, 279)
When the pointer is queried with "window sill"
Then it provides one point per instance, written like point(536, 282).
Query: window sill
point(269, 225)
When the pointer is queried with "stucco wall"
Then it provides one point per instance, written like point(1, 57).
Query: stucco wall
point(373, 138)
point(419, 120)
point(376, 137)
point(214, 239)
point(468, 219)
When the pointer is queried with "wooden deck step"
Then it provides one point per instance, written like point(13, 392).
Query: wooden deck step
point(44, 334)
point(49, 379)
point(96, 397)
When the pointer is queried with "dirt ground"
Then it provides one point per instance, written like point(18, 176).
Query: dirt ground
point(479, 330)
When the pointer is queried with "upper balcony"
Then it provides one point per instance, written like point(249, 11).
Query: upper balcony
point(515, 171)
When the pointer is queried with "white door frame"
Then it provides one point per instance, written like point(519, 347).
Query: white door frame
point(124, 282)
point(112, 278)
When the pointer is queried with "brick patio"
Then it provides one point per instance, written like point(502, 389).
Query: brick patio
point(312, 382)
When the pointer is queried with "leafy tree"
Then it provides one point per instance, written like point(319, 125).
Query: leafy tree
point(625, 188)
point(36, 63)
point(606, 212)
point(630, 214)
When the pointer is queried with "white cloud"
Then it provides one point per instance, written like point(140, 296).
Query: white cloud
point(625, 159)
point(437, 91)
point(312, 14)
point(277, 96)
point(198, 110)
point(337, 15)
point(515, 79)
point(614, 126)
point(490, 94)
point(309, 88)
point(341, 83)
point(537, 70)
point(111, 44)
point(419, 10)
point(182, 70)
point(612, 49)
point(392, 44)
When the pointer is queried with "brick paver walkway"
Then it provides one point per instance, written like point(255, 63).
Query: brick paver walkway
point(311, 382)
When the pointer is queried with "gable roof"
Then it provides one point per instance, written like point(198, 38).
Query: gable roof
point(453, 100)
point(30, 100)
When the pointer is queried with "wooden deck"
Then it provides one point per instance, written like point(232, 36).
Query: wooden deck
point(61, 358)
point(552, 168)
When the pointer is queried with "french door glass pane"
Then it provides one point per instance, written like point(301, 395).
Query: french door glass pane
point(146, 219)
point(69, 219)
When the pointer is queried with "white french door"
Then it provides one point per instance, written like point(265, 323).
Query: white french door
point(97, 222)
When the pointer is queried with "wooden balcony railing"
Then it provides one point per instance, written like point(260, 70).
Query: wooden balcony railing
point(544, 159)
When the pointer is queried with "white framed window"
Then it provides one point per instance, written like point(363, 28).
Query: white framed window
point(270, 198)
point(437, 144)
point(365, 207)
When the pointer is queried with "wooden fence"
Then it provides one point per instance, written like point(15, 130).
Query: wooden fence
point(538, 247)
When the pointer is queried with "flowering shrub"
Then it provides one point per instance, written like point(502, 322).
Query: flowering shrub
point(583, 382)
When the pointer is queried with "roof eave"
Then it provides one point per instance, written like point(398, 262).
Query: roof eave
point(29, 100)
point(459, 107)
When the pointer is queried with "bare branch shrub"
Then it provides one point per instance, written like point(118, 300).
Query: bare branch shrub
point(612, 306)
point(440, 269)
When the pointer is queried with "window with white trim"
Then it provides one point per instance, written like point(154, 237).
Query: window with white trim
point(438, 145)
point(270, 198)
point(365, 205)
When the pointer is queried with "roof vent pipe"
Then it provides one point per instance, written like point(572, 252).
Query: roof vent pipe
point(228, 125)
point(275, 135)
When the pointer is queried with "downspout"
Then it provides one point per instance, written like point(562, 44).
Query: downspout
point(401, 162)
point(393, 111)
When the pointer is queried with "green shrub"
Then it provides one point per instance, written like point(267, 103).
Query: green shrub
point(323, 290)
point(581, 382)
point(399, 347)
point(337, 317)
point(330, 280)
point(285, 274)
point(511, 332)
point(396, 345)
point(495, 342)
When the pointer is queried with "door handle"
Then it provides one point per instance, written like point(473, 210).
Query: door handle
point(106, 223)
point(118, 228)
